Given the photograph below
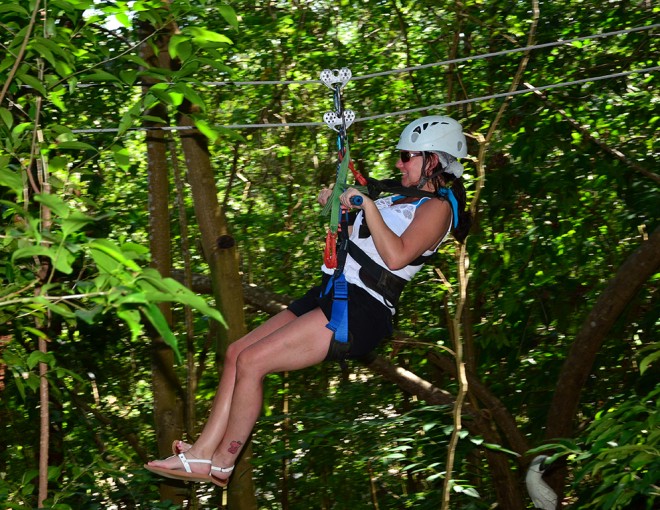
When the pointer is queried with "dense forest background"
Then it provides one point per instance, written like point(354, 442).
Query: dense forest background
point(159, 164)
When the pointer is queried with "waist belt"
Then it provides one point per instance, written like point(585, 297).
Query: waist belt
point(376, 277)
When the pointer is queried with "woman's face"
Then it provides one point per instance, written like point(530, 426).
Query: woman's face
point(410, 164)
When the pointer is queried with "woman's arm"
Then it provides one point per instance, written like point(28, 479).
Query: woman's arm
point(427, 229)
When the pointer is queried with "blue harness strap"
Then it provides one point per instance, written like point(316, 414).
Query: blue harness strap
point(339, 287)
point(448, 194)
point(339, 316)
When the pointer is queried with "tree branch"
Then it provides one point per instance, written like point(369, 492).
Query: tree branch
point(633, 273)
point(496, 409)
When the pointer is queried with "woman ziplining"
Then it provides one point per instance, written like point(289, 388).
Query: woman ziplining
point(387, 244)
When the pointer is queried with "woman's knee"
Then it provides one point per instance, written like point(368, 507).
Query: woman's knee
point(249, 364)
point(232, 354)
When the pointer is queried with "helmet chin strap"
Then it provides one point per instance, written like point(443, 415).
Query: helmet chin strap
point(424, 179)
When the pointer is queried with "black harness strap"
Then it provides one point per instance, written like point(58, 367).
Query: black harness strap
point(372, 274)
point(392, 186)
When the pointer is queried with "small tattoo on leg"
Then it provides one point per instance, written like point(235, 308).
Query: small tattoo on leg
point(234, 446)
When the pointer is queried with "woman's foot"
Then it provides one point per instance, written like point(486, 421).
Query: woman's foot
point(220, 476)
point(179, 446)
point(182, 467)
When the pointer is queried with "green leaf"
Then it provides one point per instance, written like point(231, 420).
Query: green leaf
point(15, 8)
point(18, 380)
point(207, 130)
point(229, 14)
point(33, 82)
point(78, 146)
point(57, 163)
point(180, 47)
point(128, 76)
point(12, 180)
point(37, 357)
point(163, 94)
point(648, 360)
point(75, 222)
point(105, 263)
point(6, 117)
point(109, 248)
point(203, 36)
point(36, 332)
point(54, 472)
point(132, 319)
point(180, 294)
point(158, 321)
point(33, 381)
point(60, 259)
point(121, 157)
point(123, 18)
point(57, 96)
point(60, 309)
point(100, 75)
point(153, 118)
point(54, 203)
point(190, 94)
point(394, 456)
point(89, 315)
point(132, 298)
point(43, 51)
point(499, 448)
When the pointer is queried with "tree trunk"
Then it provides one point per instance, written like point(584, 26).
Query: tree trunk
point(221, 254)
point(168, 404)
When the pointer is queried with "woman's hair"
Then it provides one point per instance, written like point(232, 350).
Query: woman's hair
point(444, 179)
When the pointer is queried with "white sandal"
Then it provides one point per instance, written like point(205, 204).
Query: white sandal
point(188, 474)
point(217, 481)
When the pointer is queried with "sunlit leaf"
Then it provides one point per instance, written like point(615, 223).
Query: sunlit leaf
point(155, 316)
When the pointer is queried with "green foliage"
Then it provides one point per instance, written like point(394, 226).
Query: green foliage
point(556, 219)
point(622, 456)
point(617, 463)
point(111, 279)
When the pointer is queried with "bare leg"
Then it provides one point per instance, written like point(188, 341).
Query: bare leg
point(298, 344)
point(214, 430)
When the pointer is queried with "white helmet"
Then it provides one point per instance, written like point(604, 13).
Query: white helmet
point(434, 133)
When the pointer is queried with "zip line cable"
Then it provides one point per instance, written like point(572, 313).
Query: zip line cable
point(507, 52)
point(390, 114)
point(403, 70)
point(508, 94)
point(426, 66)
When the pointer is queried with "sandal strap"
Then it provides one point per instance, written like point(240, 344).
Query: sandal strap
point(186, 462)
point(222, 470)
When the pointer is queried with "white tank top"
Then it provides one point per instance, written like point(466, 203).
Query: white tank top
point(398, 218)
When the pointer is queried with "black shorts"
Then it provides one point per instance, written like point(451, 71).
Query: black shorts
point(369, 321)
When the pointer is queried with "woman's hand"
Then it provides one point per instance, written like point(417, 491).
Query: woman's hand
point(324, 196)
point(352, 199)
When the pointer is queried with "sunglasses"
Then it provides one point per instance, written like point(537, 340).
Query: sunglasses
point(407, 155)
